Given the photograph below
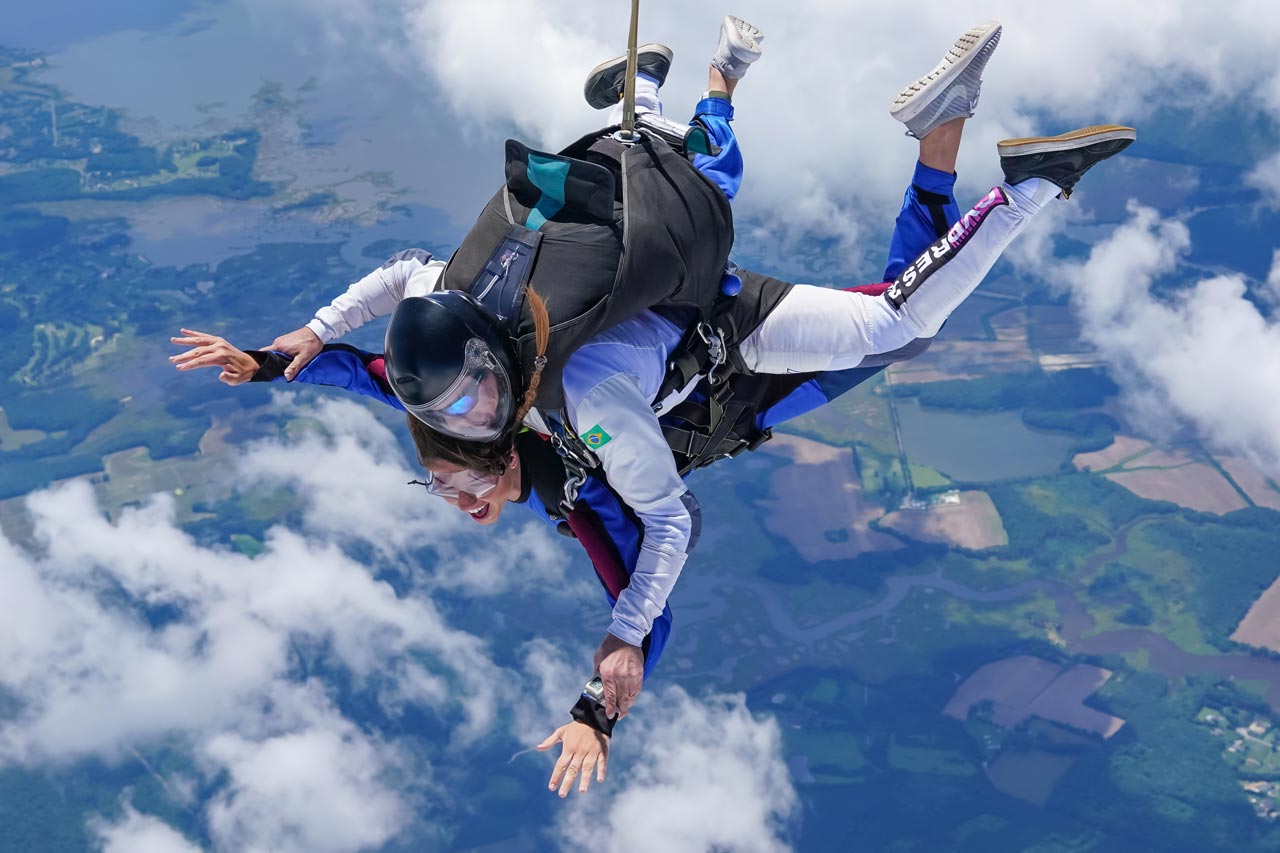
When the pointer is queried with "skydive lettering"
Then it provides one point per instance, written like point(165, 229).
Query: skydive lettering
point(910, 279)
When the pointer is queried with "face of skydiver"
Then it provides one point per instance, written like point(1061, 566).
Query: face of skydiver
point(476, 407)
point(451, 364)
point(459, 486)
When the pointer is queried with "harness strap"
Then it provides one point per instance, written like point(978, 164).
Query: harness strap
point(702, 445)
point(709, 347)
point(936, 203)
point(578, 459)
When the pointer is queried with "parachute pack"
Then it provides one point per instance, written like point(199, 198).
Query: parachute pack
point(602, 231)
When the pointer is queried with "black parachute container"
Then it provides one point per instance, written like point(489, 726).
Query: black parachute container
point(601, 231)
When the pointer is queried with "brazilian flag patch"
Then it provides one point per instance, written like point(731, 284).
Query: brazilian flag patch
point(596, 437)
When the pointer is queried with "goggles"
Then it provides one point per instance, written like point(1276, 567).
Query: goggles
point(473, 483)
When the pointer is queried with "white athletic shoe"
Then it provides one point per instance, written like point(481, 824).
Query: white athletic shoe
point(740, 45)
point(950, 90)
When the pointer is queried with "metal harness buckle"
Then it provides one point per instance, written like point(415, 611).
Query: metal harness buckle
point(714, 339)
point(576, 466)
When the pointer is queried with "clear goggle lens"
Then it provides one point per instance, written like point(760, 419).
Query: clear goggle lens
point(474, 483)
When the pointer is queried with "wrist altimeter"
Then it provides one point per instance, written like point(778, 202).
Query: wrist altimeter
point(589, 709)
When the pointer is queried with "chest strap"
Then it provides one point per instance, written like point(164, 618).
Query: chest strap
point(578, 459)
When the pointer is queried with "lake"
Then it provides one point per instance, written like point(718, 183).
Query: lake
point(979, 447)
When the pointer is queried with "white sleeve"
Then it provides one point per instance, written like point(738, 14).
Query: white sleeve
point(409, 273)
point(615, 420)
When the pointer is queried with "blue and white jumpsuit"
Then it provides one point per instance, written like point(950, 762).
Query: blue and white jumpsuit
point(611, 382)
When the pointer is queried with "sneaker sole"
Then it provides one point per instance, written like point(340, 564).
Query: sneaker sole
point(742, 37)
point(1066, 141)
point(978, 41)
point(660, 49)
point(619, 65)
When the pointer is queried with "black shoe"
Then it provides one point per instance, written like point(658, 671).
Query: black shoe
point(1061, 160)
point(604, 83)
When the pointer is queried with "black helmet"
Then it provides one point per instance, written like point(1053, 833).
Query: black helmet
point(452, 365)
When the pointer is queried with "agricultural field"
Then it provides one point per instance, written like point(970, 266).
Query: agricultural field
point(1260, 627)
point(816, 503)
point(1124, 448)
point(1261, 489)
point(1022, 687)
point(952, 360)
point(1179, 474)
point(972, 523)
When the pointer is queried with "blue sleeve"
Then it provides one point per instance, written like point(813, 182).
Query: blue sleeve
point(342, 366)
point(620, 526)
point(725, 168)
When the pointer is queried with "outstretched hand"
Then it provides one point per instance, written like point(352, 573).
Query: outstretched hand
point(212, 351)
point(621, 668)
point(584, 750)
point(302, 344)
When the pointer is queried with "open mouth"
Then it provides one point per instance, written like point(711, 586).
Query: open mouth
point(479, 513)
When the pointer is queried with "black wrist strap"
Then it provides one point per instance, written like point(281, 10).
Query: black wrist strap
point(271, 365)
point(590, 712)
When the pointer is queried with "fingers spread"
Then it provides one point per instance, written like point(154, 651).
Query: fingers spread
point(562, 764)
point(575, 767)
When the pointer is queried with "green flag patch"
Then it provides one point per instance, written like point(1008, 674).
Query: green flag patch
point(596, 437)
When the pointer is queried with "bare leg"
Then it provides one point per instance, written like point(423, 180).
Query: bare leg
point(938, 150)
point(717, 82)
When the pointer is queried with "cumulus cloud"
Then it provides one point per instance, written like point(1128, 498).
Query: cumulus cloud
point(555, 672)
point(1266, 177)
point(135, 832)
point(75, 640)
point(118, 636)
point(354, 476)
point(1273, 278)
point(320, 789)
point(707, 775)
point(1202, 354)
point(823, 158)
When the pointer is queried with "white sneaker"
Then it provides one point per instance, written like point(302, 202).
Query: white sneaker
point(950, 90)
point(740, 45)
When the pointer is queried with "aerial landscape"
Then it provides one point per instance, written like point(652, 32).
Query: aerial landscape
point(979, 602)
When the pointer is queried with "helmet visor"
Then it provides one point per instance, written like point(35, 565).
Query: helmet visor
point(477, 406)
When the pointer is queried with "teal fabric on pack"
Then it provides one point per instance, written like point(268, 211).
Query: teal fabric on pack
point(549, 176)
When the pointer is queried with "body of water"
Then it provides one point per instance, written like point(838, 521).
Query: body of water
point(979, 447)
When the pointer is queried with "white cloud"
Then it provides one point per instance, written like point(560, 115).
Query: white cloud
point(1203, 354)
point(126, 635)
point(1273, 278)
point(320, 789)
point(1266, 177)
point(823, 159)
point(353, 474)
point(689, 775)
point(72, 646)
point(556, 674)
point(135, 832)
